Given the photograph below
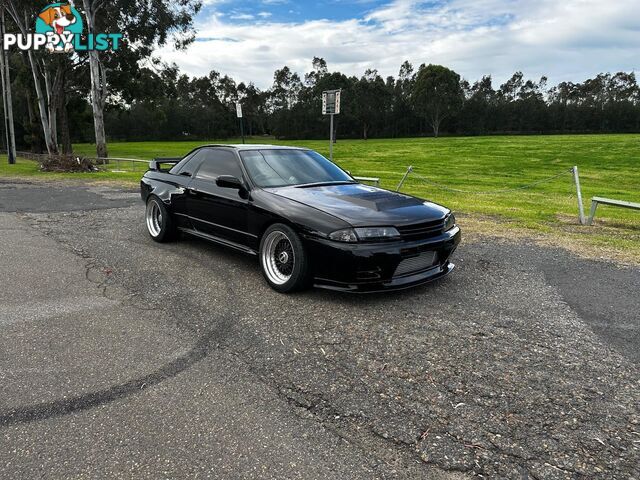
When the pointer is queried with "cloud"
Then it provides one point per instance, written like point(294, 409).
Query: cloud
point(208, 3)
point(569, 40)
point(241, 16)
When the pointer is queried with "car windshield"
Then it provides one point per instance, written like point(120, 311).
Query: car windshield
point(283, 168)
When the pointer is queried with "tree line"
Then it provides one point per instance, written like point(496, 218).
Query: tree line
point(429, 100)
point(130, 95)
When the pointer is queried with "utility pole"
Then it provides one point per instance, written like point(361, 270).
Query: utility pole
point(6, 96)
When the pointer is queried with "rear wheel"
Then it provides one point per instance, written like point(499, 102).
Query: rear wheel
point(159, 222)
point(283, 259)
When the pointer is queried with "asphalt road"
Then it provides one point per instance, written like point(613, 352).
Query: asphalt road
point(123, 358)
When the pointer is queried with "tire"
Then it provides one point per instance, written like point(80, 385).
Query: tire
point(283, 259)
point(159, 223)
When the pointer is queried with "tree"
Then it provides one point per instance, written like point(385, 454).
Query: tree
point(253, 104)
point(478, 107)
point(147, 25)
point(284, 95)
point(7, 104)
point(286, 88)
point(402, 109)
point(21, 11)
point(319, 70)
point(437, 94)
point(370, 97)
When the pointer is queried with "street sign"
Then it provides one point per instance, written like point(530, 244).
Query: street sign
point(331, 102)
point(331, 106)
point(239, 115)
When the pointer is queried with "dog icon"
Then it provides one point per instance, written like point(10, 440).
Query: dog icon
point(58, 18)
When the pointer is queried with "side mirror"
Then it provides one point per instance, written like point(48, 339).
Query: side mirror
point(228, 181)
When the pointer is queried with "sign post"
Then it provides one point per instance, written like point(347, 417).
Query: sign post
point(331, 106)
point(239, 115)
point(331, 139)
point(576, 180)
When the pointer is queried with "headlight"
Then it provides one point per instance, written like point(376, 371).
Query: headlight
point(346, 235)
point(449, 222)
point(365, 234)
point(377, 233)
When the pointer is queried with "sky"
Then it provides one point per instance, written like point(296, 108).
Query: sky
point(566, 40)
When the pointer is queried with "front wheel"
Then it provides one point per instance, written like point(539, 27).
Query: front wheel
point(159, 222)
point(283, 259)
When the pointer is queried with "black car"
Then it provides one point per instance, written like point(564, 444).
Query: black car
point(307, 220)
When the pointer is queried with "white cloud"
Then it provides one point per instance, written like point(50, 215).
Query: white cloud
point(208, 3)
point(241, 16)
point(569, 40)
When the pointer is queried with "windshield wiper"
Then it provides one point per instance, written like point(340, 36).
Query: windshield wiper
point(325, 184)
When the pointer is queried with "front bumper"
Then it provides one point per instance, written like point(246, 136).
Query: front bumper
point(365, 268)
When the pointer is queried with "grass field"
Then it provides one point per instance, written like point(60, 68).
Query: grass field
point(609, 166)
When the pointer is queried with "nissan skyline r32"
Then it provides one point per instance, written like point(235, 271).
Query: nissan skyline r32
point(308, 221)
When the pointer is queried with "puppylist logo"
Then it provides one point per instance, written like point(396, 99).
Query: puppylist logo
point(59, 29)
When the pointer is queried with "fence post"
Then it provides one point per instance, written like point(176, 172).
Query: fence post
point(576, 180)
point(406, 174)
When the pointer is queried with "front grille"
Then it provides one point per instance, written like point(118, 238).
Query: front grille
point(424, 261)
point(423, 230)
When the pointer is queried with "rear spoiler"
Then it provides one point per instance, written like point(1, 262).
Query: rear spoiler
point(156, 163)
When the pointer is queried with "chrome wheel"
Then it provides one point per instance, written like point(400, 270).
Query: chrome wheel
point(278, 258)
point(154, 218)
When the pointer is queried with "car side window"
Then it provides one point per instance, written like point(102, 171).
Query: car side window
point(219, 162)
point(190, 164)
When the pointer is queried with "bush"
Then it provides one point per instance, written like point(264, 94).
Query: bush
point(67, 163)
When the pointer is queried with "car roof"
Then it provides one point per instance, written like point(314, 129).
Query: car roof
point(253, 146)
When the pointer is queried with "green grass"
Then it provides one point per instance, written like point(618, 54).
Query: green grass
point(30, 170)
point(609, 166)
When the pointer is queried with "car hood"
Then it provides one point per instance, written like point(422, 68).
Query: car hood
point(362, 205)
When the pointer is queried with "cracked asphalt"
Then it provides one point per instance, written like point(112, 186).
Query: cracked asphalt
point(124, 358)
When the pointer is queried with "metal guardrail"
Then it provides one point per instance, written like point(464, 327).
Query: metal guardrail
point(595, 201)
point(375, 181)
point(109, 159)
point(38, 157)
point(117, 164)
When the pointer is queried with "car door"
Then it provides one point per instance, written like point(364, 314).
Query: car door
point(216, 211)
point(185, 170)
